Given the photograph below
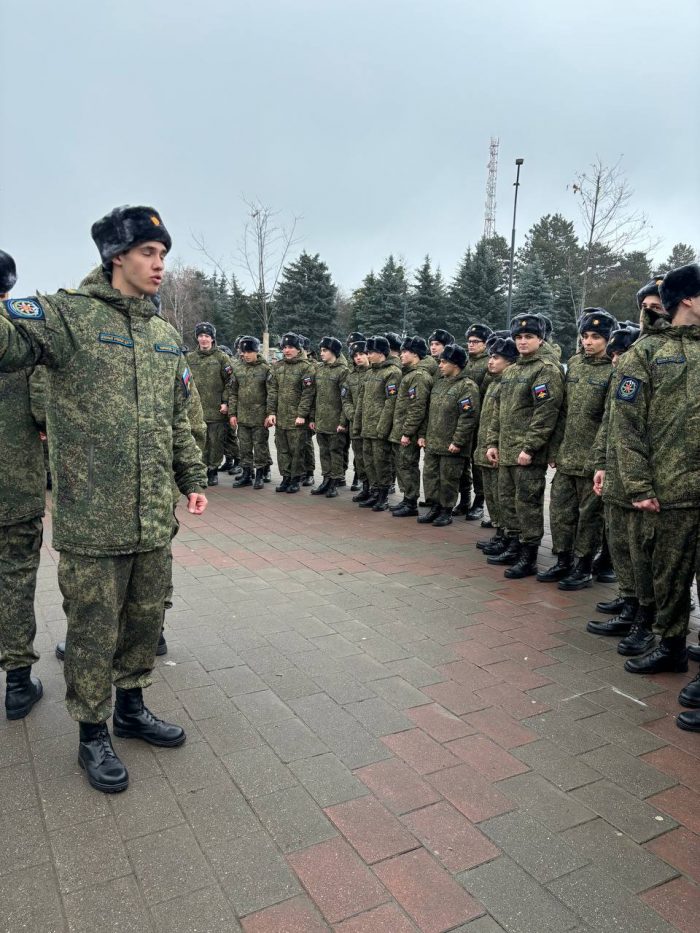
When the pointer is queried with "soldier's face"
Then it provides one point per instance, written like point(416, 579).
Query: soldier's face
point(474, 346)
point(205, 341)
point(653, 303)
point(436, 348)
point(593, 344)
point(448, 369)
point(408, 357)
point(249, 356)
point(615, 359)
point(375, 357)
point(290, 353)
point(326, 355)
point(361, 360)
point(527, 343)
point(140, 270)
point(497, 364)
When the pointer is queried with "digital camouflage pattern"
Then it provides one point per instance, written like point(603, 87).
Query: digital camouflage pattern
point(22, 478)
point(255, 446)
point(521, 502)
point(111, 361)
point(490, 485)
point(407, 469)
point(195, 416)
point(20, 545)
point(350, 393)
point(327, 412)
point(581, 413)
point(247, 391)
point(486, 471)
point(630, 551)
point(291, 390)
point(430, 365)
point(453, 415)
point(575, 515)
point(441, 478)
point(331, 450)
point(412, 401)
point(672, 537)
point(477, 370)
point(212, 370)
point(374, 415)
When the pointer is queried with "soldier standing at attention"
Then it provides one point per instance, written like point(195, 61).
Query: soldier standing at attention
point(211, 369)
point(232, 447)
point(247, 409)
point(452, 420)
point(309, 452)
point(524, 419)
point(112, 361)
point(22, 492)
point(327, 419)
point(409, 416)
point(437, 341)
point(290, 399)
point(575, 512)
point(477, 369)
point(351, 394)
point(353, 338)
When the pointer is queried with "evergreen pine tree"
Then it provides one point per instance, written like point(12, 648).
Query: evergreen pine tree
point(681, 255)
point(532, 291)
point(485, 298)
point(428, 300)
point(305, 298)
point(381, 302)
point(458, 295)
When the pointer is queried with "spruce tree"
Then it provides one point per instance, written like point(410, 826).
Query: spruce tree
point(428, 300)
point(532, 291)
point(305, 298)
point(381, 302)
point(485, 297)
point(681, 255)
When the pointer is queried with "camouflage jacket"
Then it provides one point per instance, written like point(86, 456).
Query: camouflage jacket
point(350, 393)
point(247, 391)
point(453, 414)
point(580, 416)
point(291, 387)
point(477, 370)
point(195, 416)
point(527, 409)
point(655, 418)
point(412, 403)
point(117, 417)
point(328, 404)
point(23, 477)
point(375, 414)
point(212, 370)
point(430, 365)
point(488, 408)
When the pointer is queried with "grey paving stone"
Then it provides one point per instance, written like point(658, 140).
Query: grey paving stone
point(363, 668)
point(203, 702)
point(629, 814)
point(379, 717)
point(30, 901)
point(71, 800)
point(317, 662)
point(572, 736)
point(579, 658)
point(47, 720)
point(13, 747)
point(291, 684)
point(168, 861)
point(631, 684)
point(631, 738)
point(383, 649)
point(253, 873)
point(88, 854)
point(545, 802)
point(566, 773)
point(259, 772)
point(217, 814)
point(265, 659)
point(543, 854)
point(328, 780)
point(289, 643)
point(150, 806)
point(230, 732)
point(571, 677)
point(205, 910)
point(400, 693)
point(634, 711)
point(601, 903)
point(191, 766)
point(340, 731)
point(216, 657)
point(263, 707)
point(343, 688)
point(17, 791)
point(480, 925)
point(617, 857)
point(293, 819)
point(416, 672)
point(515, 899)
point(115, 907)
point(24, 842)
point(186, 676)
point(573, 706)
point(292, 739)
point(629, 772)
point(336, 646)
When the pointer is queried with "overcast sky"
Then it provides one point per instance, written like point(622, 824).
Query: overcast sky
point(369, 119)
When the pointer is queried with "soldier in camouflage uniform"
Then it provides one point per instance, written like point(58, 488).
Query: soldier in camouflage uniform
point(232, 447)
point(351, 393)
point(352, 339)
point(309, 452)
point(477, 369)
point(22, 485)
point(452, 419)
point(327, 419)
point(247, 409)
point(373, 420)
point(112, 361)
point(437, 341)
point(410, 415)
point(212, 369)
point(290, 399)
point(524, 419)
point(575, 512)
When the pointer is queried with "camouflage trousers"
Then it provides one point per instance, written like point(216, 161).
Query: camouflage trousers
point(490, 481)
point(673, 539)
point(471, 480)
point(630, 552)
point(378, 461)
point(331, 449)
point(214, 447)
point(575, 515)
point(290, 444)
point(232, 447)
point(407, 469)
point(20, 545)
point(114, 607)
point(309, 453)
point(358, 458)
point(521, 502)
point(441, 478)
point(346, 450)
point(254, 445)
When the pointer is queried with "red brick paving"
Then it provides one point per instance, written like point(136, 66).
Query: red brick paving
point(484, 756)
point(681, 803)
point(678, 902)
point(439, 722)
point(295, 916)
point(678, 764)
point(518, 674)
point(419, 751)
point(502, 728)
point(472, 794)
point(512, 701)
point(455, 697)
point(371, 829)
point(385, 919)
point(451, 837)
point(680, 848)
point(397, 786)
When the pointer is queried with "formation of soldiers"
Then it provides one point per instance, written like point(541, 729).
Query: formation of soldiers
point(618, 423)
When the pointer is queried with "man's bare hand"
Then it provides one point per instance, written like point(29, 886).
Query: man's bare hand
point(492, 455)
point(233, 421)
point(196, 503)
point(647, 505)
point(524, 459)
point(598, 481)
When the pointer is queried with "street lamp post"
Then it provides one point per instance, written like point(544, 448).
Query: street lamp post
point(516, 185)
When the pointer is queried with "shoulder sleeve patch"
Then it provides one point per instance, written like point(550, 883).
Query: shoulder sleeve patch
point(628, 389)
point(391, 389)
point(119, 339)
point(412, 392)
point(466, 404)
point(186, 379)
point(343, 391)
point(228, 370)
point(541, 392)
point(308, 381)
point(25, 309)
point(166, 348)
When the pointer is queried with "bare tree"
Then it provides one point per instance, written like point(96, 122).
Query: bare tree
point(178, 292)
point(609, 218)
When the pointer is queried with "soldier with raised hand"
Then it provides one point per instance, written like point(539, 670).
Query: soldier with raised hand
point(22, 492)
point(476, 336)
point(212, 369)
point(112, 361)
point(575, 512)
point(350, 394)
point(291, 391)
point(410, 414)
point(327, 419)
point(452, 418)
point(247, 409)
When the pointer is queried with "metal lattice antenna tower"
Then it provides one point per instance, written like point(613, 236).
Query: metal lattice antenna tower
point(490, 212)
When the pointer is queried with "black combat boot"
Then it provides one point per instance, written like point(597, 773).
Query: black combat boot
point(133, 720)
point(61, 650)
point(308, 479)
point(462, 506)
point(407, 509)
point(245, 479)
point(355, 485)
point(236, 468)
point(22, 691)
point(444, 518)
point(267, 474)
point(610, 606)
point(476, 509)
point(226, 465)
point(580, 577)
point(486, 523)
point(363, 494)
point(332, 490)
point(640, 638)
point(694, 652)
point(526, 565)
point(162, 646)
point(98, 759)
point(49, 481)
point(371, 499)
point(689, 721)
point(669, 655)
point(294, 484)
point(488, 542)
point(498, 546)
point(562, 568)
point(429, 516)
point(690, 694)
point(284, 485)
point(213, 477)
point(509, 555)
point(320, 490)
point(382, 504)
point(259, 481)
point(398, 505)
point(603, 569)
point(340, 483)
point(619, 624)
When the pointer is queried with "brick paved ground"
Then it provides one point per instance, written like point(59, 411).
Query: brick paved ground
point(384, 736)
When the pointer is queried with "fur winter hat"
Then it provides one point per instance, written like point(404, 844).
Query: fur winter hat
point(503, 346)
point(332, 344)
point(597, 320)
point(454, 354)
point(291, 340)
point(378, 344)
point(360, 346)
point(204, 327)
point(305, 342)
point(227, 350)
point(528, 324)
point(547, 325)
point(355, 337)
point(480, 331)
point(649, 290)
point(8, 273)
point(416, 345)
point(495, 336)
point(441, 336)
point(621, 339)
point(394, 341)
point(125, 227)
point(248, 344)
point(678, 284)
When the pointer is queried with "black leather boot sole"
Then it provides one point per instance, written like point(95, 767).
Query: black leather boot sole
point(690, 694)
point(690, 722)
